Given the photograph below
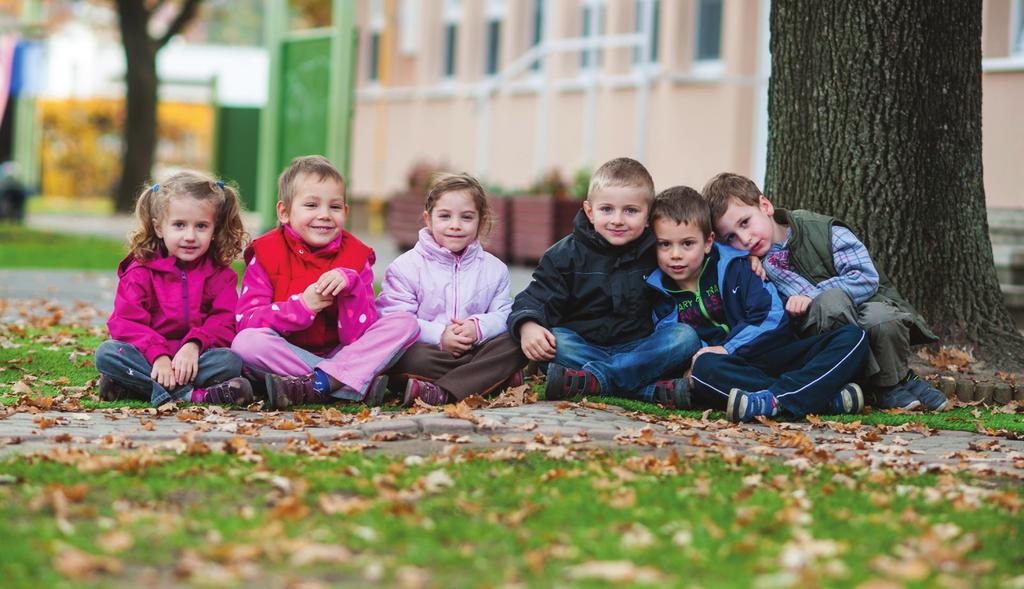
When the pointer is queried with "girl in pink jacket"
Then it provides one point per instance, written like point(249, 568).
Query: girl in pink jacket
point(174, 308)
point(461, 297)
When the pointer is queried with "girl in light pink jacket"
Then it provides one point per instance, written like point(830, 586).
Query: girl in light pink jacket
point(461, 297)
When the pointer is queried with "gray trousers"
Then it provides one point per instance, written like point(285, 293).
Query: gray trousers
point(887, 327)
point(126, 364)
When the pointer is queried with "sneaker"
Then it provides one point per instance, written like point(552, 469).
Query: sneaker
point(111, 390)
point(563, 383)
point(236, 391)
point(428, 392)
point(285, 391)
point(675, 392)
point(931, 397)
point(377, 391)
point(745, 406)
point(900, 396)
point(849, 400)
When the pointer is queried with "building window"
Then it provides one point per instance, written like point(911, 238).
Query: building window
point(538, 29)
point(652, 56)
point(592, 27)
point(709, 31)
point(1017, 32)
point(495, 14)
point(373, 68)
point(452, 14)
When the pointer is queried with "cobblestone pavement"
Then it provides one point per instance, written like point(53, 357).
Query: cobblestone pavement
point(543, 426)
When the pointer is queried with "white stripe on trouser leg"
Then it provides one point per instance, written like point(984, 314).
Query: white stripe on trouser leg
point(707, 384)
point(863, 334)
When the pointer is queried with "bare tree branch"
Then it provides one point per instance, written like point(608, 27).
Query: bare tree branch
point(183, 18)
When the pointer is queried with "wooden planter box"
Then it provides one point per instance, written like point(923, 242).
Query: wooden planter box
point(565, 213)
point(405, 218)
point(497, 241)
point(533, 226)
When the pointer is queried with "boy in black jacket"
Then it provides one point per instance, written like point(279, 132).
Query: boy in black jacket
point(752, 364)
point(585, 311)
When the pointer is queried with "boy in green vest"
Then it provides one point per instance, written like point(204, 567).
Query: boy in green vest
point(828, 277)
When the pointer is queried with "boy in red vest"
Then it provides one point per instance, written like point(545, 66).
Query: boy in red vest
point(306, 314)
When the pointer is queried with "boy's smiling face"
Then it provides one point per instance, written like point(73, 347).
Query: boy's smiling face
point(747, 227)
point(619, 213)
point(317, 211)
point(681, 248)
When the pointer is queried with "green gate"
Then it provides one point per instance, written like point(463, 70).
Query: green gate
point(310, 99)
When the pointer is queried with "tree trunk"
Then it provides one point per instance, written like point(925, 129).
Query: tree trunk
point(141, 101)
point(140, 129)
point(875, 117)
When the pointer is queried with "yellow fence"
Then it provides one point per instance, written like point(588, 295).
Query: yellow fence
point(81, 143)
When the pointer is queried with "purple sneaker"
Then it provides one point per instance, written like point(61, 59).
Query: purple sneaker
point(428, 392)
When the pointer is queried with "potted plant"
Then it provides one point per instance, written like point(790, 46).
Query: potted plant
point(571, 202)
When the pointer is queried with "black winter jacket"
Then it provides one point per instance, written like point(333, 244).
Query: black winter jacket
point(585, 284)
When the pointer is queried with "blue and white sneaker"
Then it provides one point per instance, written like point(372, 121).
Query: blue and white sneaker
point(744, 406)
point(931, 397)
point(901, 396)
point(849, 400)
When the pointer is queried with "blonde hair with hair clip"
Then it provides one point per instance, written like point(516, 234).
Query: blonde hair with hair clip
point(229, 236)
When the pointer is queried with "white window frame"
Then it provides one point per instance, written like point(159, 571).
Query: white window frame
point(1017, 29)
point(706, 67)
point(495, 12)
point(452, 18)
point(654, 34)
point(378, 20)
point(595, 61)
point(409, 27)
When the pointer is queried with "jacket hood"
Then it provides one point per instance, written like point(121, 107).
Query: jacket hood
point(583, 230)
point(164, 263)
point(428, 247)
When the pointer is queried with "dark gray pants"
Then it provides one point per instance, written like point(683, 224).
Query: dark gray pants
point(888, 331)
point(126, 364)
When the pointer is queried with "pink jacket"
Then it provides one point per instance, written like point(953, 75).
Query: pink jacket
point(257, 307)
point(437, 286)
point(159, 306)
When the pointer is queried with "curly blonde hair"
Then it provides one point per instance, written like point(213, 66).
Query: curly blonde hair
point(229, 236)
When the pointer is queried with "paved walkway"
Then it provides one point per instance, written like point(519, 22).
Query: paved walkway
point(558, 429)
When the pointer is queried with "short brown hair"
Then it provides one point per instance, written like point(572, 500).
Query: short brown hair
point(726, 186)
point(622, 171)
point(683, 205)
point(313, 165)
point(229, 236)
point(444, 183)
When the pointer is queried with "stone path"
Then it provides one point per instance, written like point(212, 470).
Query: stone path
point(555, 428)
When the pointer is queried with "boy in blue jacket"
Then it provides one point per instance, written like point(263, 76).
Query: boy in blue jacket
point(752, 363)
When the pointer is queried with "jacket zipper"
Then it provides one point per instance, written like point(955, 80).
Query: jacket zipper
point(184, 296)
point(700, 299)
point(455, 311)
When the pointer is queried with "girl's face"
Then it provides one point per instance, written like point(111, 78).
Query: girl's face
point(187, 227)
point(454, 221)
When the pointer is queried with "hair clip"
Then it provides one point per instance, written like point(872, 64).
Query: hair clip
point(220, 184)
point(155, 187)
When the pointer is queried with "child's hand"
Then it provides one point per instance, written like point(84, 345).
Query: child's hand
point(186, 363)
point(163, 373)
point(537, 342)
point(465, 328)
point(707, 350)
point(455, 343)
point(758, 268)
point(314, 300)
point(331, 283)
point(797, 305)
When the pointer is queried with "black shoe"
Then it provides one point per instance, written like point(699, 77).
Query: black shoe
point(674, 392)
point(564, 383)
point(236, 391)
point(111, 390)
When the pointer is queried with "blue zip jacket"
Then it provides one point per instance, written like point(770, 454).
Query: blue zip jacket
point(755, 318)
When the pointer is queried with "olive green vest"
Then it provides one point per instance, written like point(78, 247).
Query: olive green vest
point(810, 254)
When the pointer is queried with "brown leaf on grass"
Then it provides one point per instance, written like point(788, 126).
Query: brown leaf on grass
point(335, 504)
point(36, 402)
point(115, 541)
point(617, 571)
point(75, 564)
point(21, 388)
point(308, 553)
point(904, 569)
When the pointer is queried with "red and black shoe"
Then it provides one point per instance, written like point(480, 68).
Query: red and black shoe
point(285, 391)
point(428, 392)
point(236, 391)
point(674, 392)
point(564, 383)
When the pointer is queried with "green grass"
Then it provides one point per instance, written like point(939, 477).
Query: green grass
point(491, 520)
point(27, 248)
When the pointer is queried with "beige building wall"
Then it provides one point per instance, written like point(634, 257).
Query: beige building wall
point(686, 119)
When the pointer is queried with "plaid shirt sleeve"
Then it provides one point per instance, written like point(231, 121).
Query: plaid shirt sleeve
point(855, 272)
point(786, 280)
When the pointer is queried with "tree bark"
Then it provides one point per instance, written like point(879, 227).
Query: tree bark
point(875, 117)
point(140, 129)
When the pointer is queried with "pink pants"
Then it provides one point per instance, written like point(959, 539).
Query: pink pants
point(354, 365)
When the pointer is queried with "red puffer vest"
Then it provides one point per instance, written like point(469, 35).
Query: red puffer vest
point(292, 266)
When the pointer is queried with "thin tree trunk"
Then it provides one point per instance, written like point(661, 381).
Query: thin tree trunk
point(875, 117)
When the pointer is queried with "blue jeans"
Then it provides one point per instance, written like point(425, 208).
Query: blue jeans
point(126, 364)
point(630, 369)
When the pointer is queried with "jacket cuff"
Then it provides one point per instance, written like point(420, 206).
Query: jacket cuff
point(155, 351)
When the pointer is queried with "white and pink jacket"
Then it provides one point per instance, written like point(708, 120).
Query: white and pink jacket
point(437, 286)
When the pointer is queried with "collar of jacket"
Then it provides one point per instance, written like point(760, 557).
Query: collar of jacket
point(164, 263)
point(428, 247)
point(584, 231)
